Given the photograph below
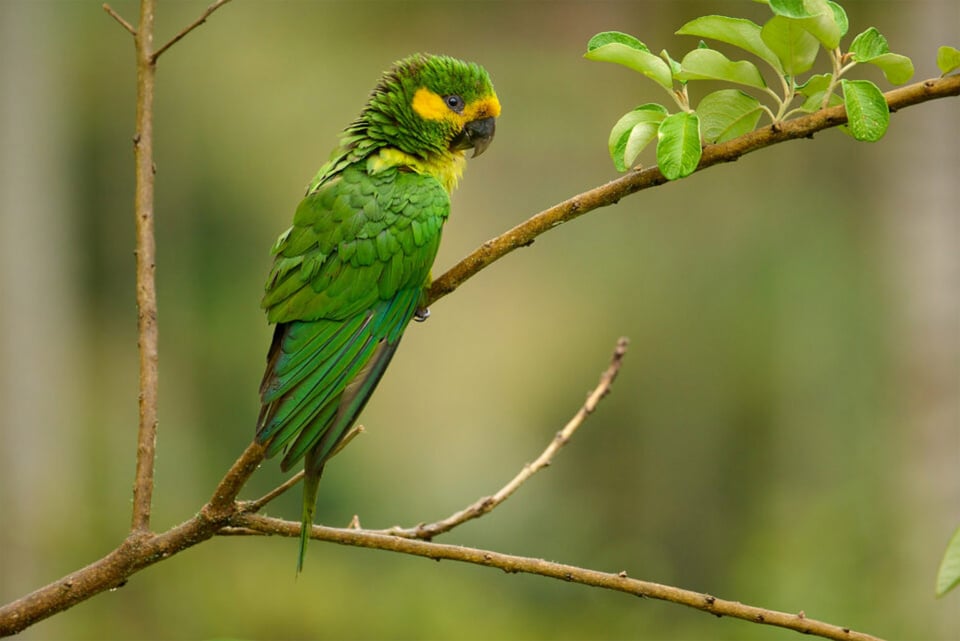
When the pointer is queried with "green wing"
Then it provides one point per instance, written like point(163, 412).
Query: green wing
point(346, 280)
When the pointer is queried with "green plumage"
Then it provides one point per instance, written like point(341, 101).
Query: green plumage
point(351, 272)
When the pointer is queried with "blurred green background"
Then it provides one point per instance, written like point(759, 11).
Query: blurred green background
point(785, 431)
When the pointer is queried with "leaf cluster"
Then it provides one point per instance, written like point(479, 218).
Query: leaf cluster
point(788, 43)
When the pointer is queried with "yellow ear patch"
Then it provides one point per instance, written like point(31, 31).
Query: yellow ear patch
point(430, 106)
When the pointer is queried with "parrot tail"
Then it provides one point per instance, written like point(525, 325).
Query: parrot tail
point(311, 486)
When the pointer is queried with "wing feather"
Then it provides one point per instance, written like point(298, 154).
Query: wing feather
point(347, 278)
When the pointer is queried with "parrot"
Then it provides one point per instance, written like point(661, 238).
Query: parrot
point(353, 270)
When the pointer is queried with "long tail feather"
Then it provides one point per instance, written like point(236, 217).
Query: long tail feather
point(311, 486)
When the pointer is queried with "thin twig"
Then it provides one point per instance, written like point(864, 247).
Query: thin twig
point(239, 531)
point(123, 23)
point(258, 504)
point(509, 563)
point(190, 27)
point(488, 503)
point(146, 249)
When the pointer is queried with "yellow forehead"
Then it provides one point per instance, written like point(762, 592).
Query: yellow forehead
point(431, 106)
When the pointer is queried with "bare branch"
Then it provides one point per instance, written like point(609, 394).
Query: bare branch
point(224, 496)
point(509, 563)
point(135, 553)
point(139, 550)
point(148, 330)
point(123, 23)
point(258, 504)
point(146, 249)
point(488, 503)
point(190, 27)
point(804, 127)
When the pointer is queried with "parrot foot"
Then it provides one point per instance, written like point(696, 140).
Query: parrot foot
point(421, 314)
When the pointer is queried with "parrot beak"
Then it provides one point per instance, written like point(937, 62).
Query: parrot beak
point(476, 135)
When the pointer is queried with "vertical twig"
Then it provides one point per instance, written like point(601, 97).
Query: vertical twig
point(146, 267)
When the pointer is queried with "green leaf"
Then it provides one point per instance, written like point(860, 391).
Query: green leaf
point(674, 65)
point(709, 64)
point(789, 8)
point(814, 89)
point(633, 57)
point(948, 576)
point(896, 68)
point(817, 82)
point(871, 47)
point(794, 46)
point(678, 145)
point(726, 114)
point(868, 44)
point(633, 132)
point(868, 115)
point(738, 32)
point(606, 37)
point(823, 24)
point(948, 59)
point(840, 16)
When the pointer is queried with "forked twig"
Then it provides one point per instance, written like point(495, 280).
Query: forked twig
point(487, 503)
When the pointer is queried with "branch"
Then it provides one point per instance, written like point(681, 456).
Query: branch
point(223, 514)
point(488, 503)
point(609, 194)
point(146, 250)
point(512, 564)
point(190, 27)
point(258, 504)
point(123, 23)
point(147, 328)
point(136, 552)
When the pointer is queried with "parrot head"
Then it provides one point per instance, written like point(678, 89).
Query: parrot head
point(433, 107)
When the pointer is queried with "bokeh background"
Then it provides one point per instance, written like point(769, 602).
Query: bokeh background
point(785, 432)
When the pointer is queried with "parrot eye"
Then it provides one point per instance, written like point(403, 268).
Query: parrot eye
point(455, 103)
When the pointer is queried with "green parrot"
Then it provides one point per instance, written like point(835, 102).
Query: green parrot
point(352, 271)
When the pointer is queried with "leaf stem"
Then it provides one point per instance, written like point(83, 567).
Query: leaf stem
point(835, 57)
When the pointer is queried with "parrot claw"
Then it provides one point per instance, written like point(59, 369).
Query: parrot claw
point(421, 314)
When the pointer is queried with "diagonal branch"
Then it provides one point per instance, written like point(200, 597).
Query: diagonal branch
point(573, 574)
point(190, 27)
point(488, 503)
point(258, 504)
point(123, 23)
point(609, 194)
